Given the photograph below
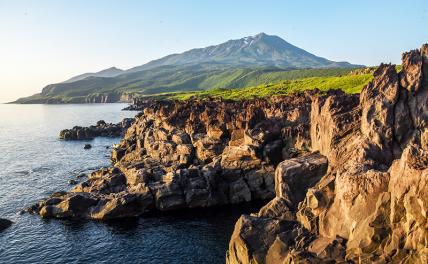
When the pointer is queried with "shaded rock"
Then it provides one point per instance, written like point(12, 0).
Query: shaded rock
point(104, 181)
point(169, 194)
point(377, 101)
point(254, 235)
point(4, 223)
point(277, 208)
point(101, 129)
point(72, 182)
point(333, 117)
point(87, 146)
point(272, 152)
point(81, 175)
point(74, 205)
point(293, 177)
point(261, 182)
point(123, 205)
point(239, 158)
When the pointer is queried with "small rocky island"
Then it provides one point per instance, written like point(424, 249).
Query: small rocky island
point(346, 175)
point(4, 223)
point(101, 129)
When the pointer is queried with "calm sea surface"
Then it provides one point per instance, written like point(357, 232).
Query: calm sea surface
point(34, 163)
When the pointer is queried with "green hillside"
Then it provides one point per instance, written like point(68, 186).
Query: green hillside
point(167, 79)
point(237, 63)
point(347, 83)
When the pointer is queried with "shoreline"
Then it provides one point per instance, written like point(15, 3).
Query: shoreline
point(291, 150)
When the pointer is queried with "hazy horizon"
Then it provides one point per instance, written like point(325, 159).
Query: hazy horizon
point(51, 41)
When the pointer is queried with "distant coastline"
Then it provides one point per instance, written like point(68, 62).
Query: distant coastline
point(111, 97)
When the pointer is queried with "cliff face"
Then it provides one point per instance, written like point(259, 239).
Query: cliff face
point(346, 174)
point(105, 97)
point(371, 205)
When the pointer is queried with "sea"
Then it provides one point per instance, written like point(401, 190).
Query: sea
point(34, 163)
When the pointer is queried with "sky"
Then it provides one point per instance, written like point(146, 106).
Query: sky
point(44, 42)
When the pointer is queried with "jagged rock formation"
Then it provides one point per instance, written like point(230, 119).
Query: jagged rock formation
point(101, 129)
point(347, 174)
point(192, 154)
point(371, 204)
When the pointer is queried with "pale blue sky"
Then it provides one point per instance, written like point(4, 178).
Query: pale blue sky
point(44, 42)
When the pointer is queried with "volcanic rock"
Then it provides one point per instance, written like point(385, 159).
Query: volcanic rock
point(101, 129)
point(187, 154)
point(370, 204)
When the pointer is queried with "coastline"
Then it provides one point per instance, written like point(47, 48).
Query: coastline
point(201, 153)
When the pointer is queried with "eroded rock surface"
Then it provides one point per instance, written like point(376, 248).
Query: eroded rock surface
point(197, 153)
point(371, 204)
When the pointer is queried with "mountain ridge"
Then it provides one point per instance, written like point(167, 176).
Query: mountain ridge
point(195, 69)
point(241, 46)
point(109, 72)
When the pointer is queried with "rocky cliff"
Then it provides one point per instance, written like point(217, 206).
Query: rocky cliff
point(186, 154)
point(101, 97)
point(346, 175)
point(370, 204)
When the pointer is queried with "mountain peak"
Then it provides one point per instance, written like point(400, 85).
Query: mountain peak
point(258, 50)
point(112, 68)
point(261, 35)
point(192, 69)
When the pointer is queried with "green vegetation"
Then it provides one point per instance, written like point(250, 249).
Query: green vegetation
point(168, 79)
point(371, 70)
point(246, 62)
point(348, 83)
point(248, 77)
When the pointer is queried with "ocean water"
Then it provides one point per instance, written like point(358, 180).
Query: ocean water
point(34, 163)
